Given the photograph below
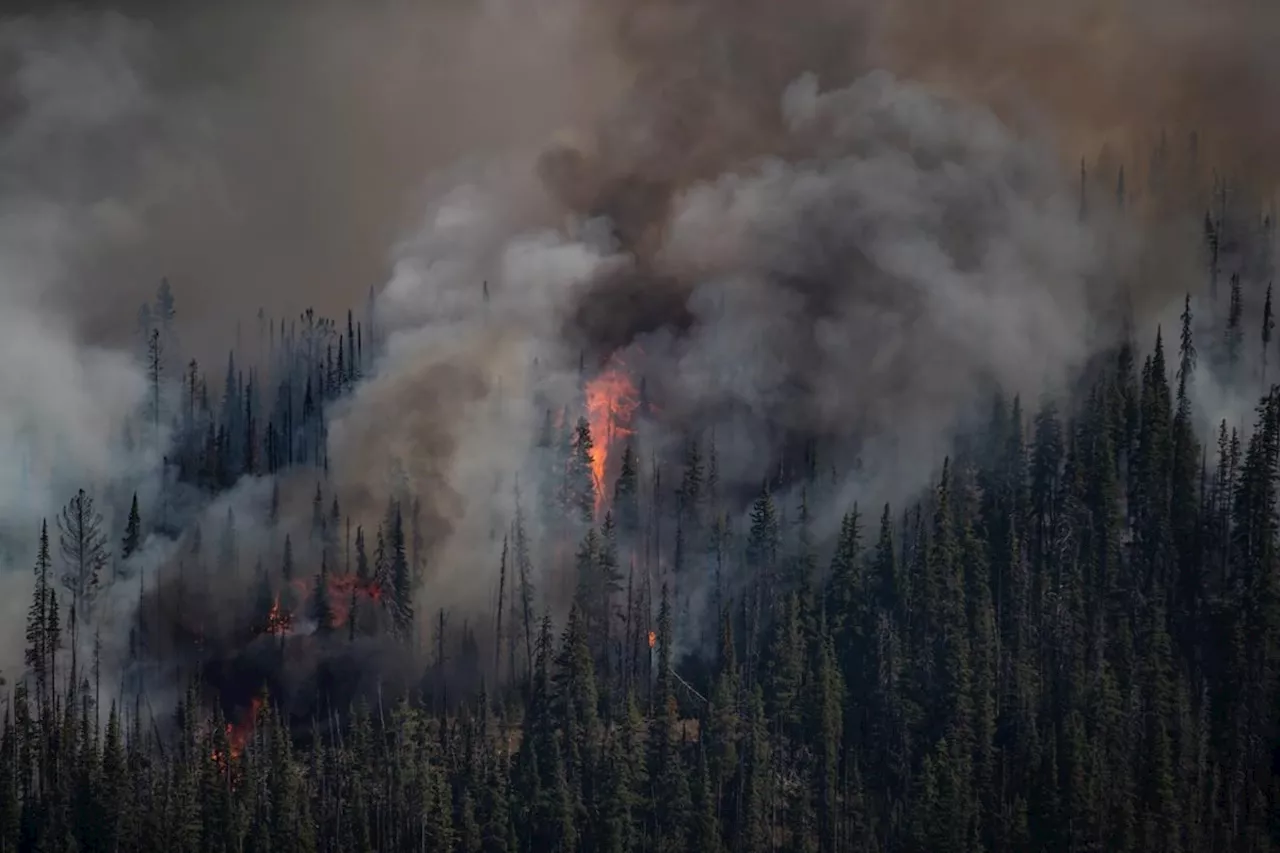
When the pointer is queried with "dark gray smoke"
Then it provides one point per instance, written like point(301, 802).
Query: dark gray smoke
point(908, 256)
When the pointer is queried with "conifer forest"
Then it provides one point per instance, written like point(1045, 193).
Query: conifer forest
point(639, 427)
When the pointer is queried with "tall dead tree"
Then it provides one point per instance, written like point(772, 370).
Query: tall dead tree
point(155, 367)
point(83, 545)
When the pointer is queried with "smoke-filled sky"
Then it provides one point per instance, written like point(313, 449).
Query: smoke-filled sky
point(836, 214)
point(269, 155)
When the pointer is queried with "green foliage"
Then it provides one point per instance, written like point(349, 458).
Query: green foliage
point(1070, 642)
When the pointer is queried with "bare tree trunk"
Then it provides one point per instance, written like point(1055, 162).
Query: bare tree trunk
point(497, 635)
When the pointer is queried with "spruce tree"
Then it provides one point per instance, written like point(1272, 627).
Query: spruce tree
point(400, 597)
point(321, 606)
point(1235, 313)
point(626, 495)
point(39, 617)
point(671, 806)
point(132, 531)
point(580, 478)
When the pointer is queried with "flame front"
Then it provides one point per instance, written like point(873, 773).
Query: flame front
point(611, 401)
point(238, 735)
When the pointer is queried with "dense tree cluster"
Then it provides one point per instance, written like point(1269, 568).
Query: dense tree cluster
point(1071, 643)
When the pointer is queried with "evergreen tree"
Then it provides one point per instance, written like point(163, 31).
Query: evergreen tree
point(580, 478)
point(1235, 314)
point(132, 532)
point(321, 606)
point(626, 494)
point(1268, 326)
point(39, 618)
point(286, 566)
point(83, 544)
point(671, 807)
point(400, 594)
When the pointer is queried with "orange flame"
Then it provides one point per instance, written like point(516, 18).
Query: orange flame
point(343, 589)
point(611, 401)
point(279, 622)
point(238, 735)
point(653, 638)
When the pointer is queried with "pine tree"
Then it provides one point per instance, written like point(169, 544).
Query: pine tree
point(83, 544)
point(704, 827)
point(626, 494)
point(400, 599)
point(317, 516)
point(10, 788)
point(495, 815)
point(132, 531)
point(826, 711)
point(587, 565)
point(551, 823)
point(671, 807)
point(321, 606)
point(576, 701)
point(363, 572)
point(617, 832)
point(523, 602)
point(754, 828)
point(1235, 313)
point(580, 478)
point(846, 594)
point(1186, 594)
point(39, 616)
point(1268, 326)
point(761, 563)
point(155, 367)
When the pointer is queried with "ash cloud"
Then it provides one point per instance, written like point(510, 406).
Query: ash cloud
point(908, 259)
point(919, 257)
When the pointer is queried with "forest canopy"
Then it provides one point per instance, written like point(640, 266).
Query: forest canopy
point(783, 435)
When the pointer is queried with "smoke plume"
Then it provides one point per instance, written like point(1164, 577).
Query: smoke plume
point(843, 222)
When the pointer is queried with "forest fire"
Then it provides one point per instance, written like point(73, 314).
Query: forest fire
point(238, 734)
point(279, 622)
point(653, 638)
point(611, 401)
point(344, 592)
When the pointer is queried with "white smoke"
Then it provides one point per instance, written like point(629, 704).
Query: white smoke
point(65, 405)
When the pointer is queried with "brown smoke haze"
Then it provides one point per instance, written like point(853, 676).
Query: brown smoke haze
point(268, 155)
point(1109, 73)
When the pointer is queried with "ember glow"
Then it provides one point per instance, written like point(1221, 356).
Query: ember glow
point(653, 638)
point(345, 592)
point(279, 622)
point(611, 401)
point(238, 734)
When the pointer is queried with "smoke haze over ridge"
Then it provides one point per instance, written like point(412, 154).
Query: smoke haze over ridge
point(780, 217)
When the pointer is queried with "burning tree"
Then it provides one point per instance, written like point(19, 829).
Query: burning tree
point(611, 402)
